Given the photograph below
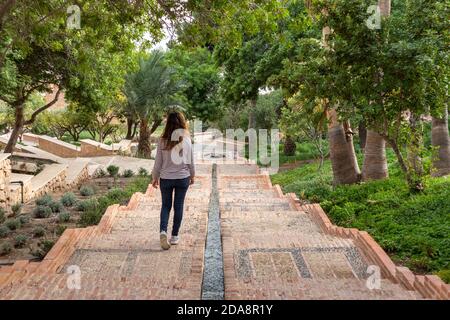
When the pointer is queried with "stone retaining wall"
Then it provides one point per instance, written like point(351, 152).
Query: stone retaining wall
point(82, 177)
point(16, 193)
point(57, 147)
point(5, 178)
point(88, 148)
point(56, 183)
point(91, 148)
point(30, 137)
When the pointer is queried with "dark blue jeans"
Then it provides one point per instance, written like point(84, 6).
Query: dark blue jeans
point(168, 186)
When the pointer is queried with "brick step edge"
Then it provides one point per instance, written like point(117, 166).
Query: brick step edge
point(429, 286)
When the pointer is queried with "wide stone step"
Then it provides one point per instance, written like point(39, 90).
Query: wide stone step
point(232, 169)
point(98, 286)
point(325, 289)
point(255, 206)
point(248, 193)
point(252, 200)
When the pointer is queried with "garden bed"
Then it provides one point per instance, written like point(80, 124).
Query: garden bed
point(31, 233)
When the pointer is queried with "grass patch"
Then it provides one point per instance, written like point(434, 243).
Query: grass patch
point(413, 228)
point(304, 151)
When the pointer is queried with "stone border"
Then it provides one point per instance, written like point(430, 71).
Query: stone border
point(5, 179)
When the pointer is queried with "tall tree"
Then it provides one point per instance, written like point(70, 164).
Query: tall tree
point(410, 51)
point(342, 151)
point(200, 75)
point(150, 91)
point(39, 50)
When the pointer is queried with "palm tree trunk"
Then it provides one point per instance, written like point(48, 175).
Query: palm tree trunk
point(342, 152)
point(130, 124)
point(375, 164)
point(144, 146)
point(441, 140)
point(385, 7)
point(134, 130)
point(18, 127)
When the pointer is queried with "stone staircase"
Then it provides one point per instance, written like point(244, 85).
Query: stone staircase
point(121, 257)
point(273, 248)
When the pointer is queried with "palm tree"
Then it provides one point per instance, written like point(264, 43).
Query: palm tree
point(342, 152)
point(375, 162)
point(441, 140)
point(150, 91)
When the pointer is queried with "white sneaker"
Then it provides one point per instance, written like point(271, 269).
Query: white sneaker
point(174, 240)
point(163, 239)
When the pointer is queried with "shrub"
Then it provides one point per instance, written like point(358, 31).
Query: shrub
point(45, 200)
point(56, 206)
point(444, 275)
point(87, 191)
point(64, 217)
point(5, 248)
point(4, 231)
point(2, 215)
point(113, 170)
point(16, 209)
point(68, 199)
point(59, 230)
point(24, 219)
point(44, 247)
point(100, 173)
point(91, 217)
point(116, 195)
point(42, 212)
point(143, 172)
point(128, 173)
point(38, 232)
point(86, 204)
point(20, 240)
point(13, 224)
point(315, 189)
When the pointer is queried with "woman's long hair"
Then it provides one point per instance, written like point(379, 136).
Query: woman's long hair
point(175, 121)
